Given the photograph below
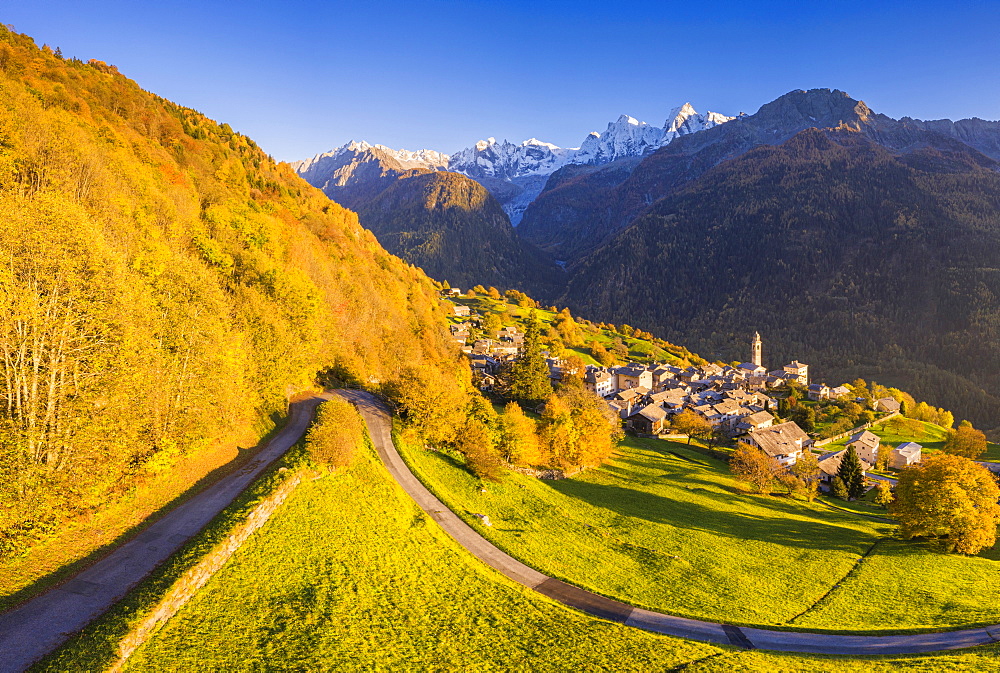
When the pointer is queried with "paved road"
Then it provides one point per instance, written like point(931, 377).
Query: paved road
point(377, 418)
point(879, 477)
point(29, 632)
point(992, 467)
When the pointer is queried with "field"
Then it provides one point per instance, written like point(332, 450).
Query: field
point(667, 528)
point(930, 436)
point(349, 575)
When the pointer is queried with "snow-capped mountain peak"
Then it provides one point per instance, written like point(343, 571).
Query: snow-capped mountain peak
point(429, 159)
point(685, 119)
point(528, 164)
point(625, 137)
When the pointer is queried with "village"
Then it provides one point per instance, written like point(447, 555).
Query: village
point(737, 404)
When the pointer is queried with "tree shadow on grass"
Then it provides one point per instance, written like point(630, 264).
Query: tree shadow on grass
point(713, 512)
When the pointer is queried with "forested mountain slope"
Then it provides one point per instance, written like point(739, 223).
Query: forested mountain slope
point(164, 282)
point(455, 230)
point(577, 213)
point(446, 223)
point(855, 257)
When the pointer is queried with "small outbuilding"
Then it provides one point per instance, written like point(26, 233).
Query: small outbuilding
point(649, 420)
point(905, 454)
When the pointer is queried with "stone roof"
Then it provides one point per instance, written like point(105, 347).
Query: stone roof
point(758, 418)
point(651, 412)
point(909, 449)
point(830, 462)
point(780, 440)
point(888, 403)
point(865, 439)
point(596, 376)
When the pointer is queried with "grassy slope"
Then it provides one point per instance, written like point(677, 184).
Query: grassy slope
point(87, 538)
point(931, 437)
point(349, 575)
point(658, 531)
point(640, 350)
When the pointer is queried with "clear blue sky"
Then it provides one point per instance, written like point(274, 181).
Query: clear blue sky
point(301, 77)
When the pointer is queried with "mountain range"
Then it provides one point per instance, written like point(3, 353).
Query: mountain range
point(864, 244)
point(514, 174)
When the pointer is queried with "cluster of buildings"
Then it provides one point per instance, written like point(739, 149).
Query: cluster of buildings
point(733, 400)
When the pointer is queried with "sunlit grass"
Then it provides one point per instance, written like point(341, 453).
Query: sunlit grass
point(661, 532)
point(349, 575)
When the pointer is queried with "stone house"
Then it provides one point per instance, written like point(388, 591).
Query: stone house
point(865, 444)
point(755, 421)
point(905, 454)
point(647, 420)
point(784, 442)
point(599, 381)
point(819, 391)
point(829, 465)
point(797, 371)
point(633, 376)
point(887, 404)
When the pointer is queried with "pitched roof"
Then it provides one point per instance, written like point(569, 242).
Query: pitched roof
point(908, 449)
point(596, 376)
point(758, 418)
point(780, 440)
point(865, 438)
point(651, 412)
point(888, 403)
point(830, 462)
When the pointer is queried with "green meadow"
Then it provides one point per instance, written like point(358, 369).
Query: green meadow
point(929, 435)
point(664, 527)
point(349, 575)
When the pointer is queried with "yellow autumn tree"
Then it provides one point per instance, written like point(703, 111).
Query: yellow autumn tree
point(578, 428)
point(336, 434)
point(950, 499)
point(518, 437)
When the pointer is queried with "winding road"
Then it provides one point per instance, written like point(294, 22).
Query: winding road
point(37, 627)
point(377, 418)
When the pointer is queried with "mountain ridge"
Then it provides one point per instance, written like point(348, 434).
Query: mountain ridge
point(515, 172)
point(553, 221)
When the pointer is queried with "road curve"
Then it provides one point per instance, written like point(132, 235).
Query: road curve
point(37, 627)
point(377, 418)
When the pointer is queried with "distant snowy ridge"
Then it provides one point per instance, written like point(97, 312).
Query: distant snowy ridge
point(526, 166)
point(626, 137)
point(419, 159)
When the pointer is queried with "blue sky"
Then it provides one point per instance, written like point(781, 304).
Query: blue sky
point(301, 77)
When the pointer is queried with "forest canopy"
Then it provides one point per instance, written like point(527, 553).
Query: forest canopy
point(165, 282)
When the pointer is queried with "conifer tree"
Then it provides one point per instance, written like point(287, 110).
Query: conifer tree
point(837, 488)
point(851, 474)
point(529, 374)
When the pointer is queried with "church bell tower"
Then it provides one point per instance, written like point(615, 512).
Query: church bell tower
point(755, 351)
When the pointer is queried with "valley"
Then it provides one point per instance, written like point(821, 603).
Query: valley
point(492, 409)
point(874, 236)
